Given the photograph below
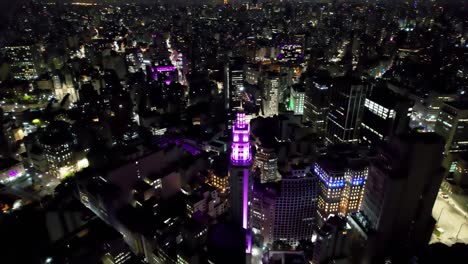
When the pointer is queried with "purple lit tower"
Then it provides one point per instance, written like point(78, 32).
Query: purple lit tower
point(240, 177)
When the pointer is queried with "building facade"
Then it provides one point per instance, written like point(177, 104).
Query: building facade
point(385, 114)
point(285, 210)
point(240, 177)
point(452, 125)
point(341, 186)
point(233, 83)
point(332, 241)
point(23, 62)
point(316, 105)
point(266, 161)
point(296, 100)
point(347, 98)
point(401, 189)
point(270, 85)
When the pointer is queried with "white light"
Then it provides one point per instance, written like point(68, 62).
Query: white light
point(83, 163)
point(256, 251)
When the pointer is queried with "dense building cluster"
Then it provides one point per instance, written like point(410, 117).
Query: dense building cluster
point(325, 131)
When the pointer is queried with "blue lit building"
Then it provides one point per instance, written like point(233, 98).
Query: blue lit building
point(341, 185)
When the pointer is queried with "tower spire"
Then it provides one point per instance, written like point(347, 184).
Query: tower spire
point(241, 154)
point(240, 177)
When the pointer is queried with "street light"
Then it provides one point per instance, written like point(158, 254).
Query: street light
point(460, 230)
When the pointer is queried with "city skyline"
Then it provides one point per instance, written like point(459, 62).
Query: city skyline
point(160, 132)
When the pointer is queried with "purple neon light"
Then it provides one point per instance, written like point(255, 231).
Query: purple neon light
point(13, 173)
point(241, 119)
point(248, 238)
point(329, 182)
point(245, 200)
point(240, 154)
point(165, 68)
point(165, 141)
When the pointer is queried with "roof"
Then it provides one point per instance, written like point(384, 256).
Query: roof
point(332, 163)
point(8, 163)
point(57, 133)
point(331, 224)
point(426, 138)
point(386, 97)
point(216, 144)
point(460, 105)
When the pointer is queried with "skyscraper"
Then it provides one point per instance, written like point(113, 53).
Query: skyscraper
point(57, 143)
point(252, 73)
point(346, 106)
point(385, 114)
point(270, 86)
point(233, 83)
point(452, 124)
point(401, 189)
point(316, 104)
point(460, 176)
point(240, 176)
point(285, 210)
point(296, 100)
point(332, 240)
point(342, 184)
point(23, 63)
point(266, 161)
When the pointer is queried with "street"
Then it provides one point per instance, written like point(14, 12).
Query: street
point(451, 219)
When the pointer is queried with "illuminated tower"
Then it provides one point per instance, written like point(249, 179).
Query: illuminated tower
point(240, 177)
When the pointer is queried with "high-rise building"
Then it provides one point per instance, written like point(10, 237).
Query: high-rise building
point(452, 124)
point(296, 99)
point(385, 114)
point(347, 97)
point(57, 143)
point(460, 176)
point(7, 135)
point(432, 107)
point(401, 189)
point(240, 176)
point(332, 241)
point(286, 76)
point(23, 62)
point(251, 74)
point(342, 184)
point(316, 104)
point(266, 161)
point(285, 210)
point(233, 83)
point(270, 86)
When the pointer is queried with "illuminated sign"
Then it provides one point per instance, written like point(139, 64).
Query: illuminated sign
point(165, 68)
point(13, 173)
